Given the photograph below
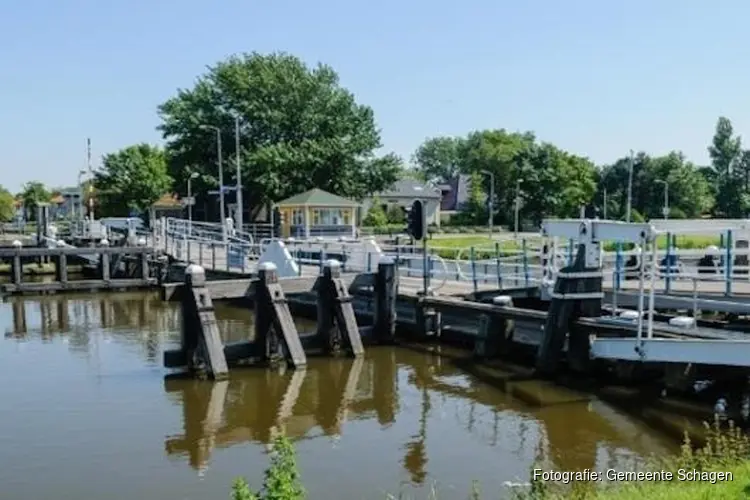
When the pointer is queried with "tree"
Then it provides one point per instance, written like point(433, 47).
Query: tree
point(32, 193)
point(376, 216)
point(7, 205)
point(438, 158)
point(299, 130)
point(395, 215)
point(131, 179)
point(725, 150)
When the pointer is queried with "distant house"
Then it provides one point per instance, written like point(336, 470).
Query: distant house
point(317, 213)
point(403, 193)
point(455, 194)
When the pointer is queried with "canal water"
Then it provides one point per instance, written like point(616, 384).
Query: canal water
point(86, 412)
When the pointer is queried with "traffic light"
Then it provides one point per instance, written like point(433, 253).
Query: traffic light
point(416, 225)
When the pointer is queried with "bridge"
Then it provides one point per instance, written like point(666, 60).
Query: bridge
point(482, 268)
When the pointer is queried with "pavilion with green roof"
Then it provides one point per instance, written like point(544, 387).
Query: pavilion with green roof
point(317, 213)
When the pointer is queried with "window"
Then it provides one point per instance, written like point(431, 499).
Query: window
point(298, 217)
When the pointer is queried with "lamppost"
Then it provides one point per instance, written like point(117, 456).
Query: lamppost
point(665, 208)
point(630, 187)
point(78, 219)
point(190, 201)
point(239, 173)
point(491, 201)
point(518, 205)
point(221, 181)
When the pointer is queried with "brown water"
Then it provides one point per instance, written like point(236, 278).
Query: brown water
point(86, 412)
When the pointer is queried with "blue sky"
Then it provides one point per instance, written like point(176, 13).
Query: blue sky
point(596, 77)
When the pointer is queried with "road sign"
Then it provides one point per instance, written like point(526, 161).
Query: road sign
point(187, 201)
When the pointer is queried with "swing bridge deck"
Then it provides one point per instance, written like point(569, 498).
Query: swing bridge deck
point(726, 290)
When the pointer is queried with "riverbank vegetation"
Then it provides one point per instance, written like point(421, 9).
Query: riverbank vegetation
point(723, 464)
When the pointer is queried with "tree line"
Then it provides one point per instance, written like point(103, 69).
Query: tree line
point(298, 128)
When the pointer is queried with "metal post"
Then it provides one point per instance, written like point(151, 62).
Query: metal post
point(630, 187)
point(491, 201)
point(604, 203)
point(425, 268)
point(221, 186)
point(525, 262)
point(618, 265)
point(190, 201)
point(728, 264)
point(240, 216)
point(473, 269)
point(518, 206)
point(668, 264)
point(498, 266)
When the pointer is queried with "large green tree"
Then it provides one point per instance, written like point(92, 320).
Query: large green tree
point(689, 190)
point(548, 181)
point(299, 129)
point(131, 179)
point(725, 151)
point(438, 158)
point(33, 192)
point(7, 205)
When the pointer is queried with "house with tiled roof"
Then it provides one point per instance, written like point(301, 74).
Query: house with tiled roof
point(403, 193)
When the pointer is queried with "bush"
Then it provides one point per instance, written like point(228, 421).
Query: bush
point(282, 480)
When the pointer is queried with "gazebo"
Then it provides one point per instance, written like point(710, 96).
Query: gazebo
point(317, 213)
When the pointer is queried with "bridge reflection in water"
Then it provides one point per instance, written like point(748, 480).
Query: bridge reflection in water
point(359, 425)
point(254, 405)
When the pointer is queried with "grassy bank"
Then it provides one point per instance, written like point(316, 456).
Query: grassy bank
point(486, 248)
point(722, 464)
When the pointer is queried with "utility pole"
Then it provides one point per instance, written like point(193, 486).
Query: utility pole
point(604, 208)
point(239, 173)
point(630, 186)
point(665, 208)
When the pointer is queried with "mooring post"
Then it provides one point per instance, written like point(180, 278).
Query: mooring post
point(61, 267)
point(495, 332)
point(336, 306)
point(104, 264)
point(386, 295)
point(275, 330)
point(201, 340)
point(428, 318)
point(17, 264)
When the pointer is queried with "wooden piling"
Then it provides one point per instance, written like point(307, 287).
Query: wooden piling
point(337, 324)
point(275, 330)
point(495, 333)
point(386, 297)
point(201, 341)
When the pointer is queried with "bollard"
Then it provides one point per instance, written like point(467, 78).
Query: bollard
point(386, 295)
point(201, 341)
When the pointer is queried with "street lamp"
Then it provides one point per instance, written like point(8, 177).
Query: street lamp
point(190, 201)
point(491, 204)
point(665, 208)
point(239, 173)
point(518, 205)
point(630, 187)
point(221, 180)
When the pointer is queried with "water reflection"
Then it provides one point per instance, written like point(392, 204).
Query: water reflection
point(254, 405)
point(395, 415)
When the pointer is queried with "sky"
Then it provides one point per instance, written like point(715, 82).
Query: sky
point(595, 77)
